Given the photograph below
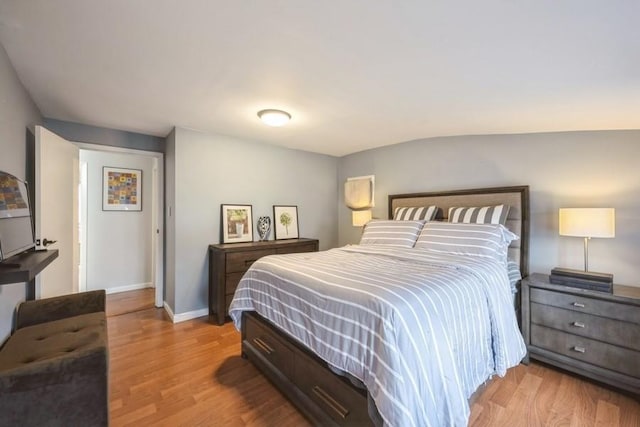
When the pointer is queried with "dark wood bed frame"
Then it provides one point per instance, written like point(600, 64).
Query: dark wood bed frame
point(325, 398)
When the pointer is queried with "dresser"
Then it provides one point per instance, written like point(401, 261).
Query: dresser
point(228, 263)
point(591, 333)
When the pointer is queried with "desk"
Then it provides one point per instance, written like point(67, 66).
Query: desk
point(25, 267)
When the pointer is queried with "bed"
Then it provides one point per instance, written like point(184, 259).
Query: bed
point(381, 335)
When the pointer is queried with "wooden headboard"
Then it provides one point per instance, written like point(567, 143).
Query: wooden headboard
point(517, 198)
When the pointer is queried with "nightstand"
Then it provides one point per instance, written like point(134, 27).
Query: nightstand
point(228, 263)
point(591, 333)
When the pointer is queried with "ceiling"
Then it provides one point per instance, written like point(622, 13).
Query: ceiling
point(353, 74)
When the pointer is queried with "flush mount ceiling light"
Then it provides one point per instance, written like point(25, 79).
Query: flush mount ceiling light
point(274, 117)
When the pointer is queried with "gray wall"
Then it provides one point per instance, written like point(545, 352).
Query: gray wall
point(563, 169)
point(17, 113)
point(119, 245)
point(170, 220)
point(211, 170)
point(77, 132)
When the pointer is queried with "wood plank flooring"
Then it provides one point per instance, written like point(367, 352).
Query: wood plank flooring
point(127, 302)
point(191, 374)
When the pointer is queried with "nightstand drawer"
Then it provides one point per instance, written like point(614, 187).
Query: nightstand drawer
point(611, 331)
point(587, 350)
point(586, 304)
point(241, 261)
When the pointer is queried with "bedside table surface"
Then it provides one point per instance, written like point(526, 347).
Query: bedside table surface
point(620, 292)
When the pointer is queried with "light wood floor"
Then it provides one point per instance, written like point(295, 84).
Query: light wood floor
point(128, 302)
point(191, 374)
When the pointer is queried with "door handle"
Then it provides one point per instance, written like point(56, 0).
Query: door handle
point(46, 242)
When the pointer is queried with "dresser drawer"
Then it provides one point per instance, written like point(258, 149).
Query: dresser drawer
point(341, 402)
point(587, 350)
point(270, 346)
point(311, 247)
point(227, 302)
point(231, 282)
point(578, 303)
point(611, 331)
point(241, 261)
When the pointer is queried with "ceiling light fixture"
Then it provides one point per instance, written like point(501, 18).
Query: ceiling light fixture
point(274, 117)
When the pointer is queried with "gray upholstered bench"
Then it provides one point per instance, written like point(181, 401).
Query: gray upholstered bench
point(54, 367)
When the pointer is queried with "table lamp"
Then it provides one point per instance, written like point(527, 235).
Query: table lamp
point(587, 223)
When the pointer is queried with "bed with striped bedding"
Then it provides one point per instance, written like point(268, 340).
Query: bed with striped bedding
point(422, 331)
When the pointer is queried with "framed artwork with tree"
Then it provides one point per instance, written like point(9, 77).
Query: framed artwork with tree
point(285, 219)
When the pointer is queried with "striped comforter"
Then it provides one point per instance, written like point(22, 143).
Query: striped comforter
point(421, 331)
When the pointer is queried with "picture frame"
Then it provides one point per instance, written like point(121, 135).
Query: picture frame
point(121, 189)
point(285, 222)
point(236, 223)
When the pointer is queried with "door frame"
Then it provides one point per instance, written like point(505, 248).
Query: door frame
point(157, 217)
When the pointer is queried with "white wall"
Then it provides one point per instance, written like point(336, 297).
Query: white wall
point(563, 169)
point(17, 113)
point(119, 243)
point(213, 169)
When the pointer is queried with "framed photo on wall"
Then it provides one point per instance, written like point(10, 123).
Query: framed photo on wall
point(121, 189)
point(236, 223)
point(285, 219)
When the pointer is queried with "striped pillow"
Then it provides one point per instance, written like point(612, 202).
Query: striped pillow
point(391, 233)
point(480, 240)
point(427, 213)
point(485, 215)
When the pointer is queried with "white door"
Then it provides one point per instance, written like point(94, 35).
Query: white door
point(56, 205)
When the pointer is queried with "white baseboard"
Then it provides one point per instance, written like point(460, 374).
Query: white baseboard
point(126, 288)
point(181, 317)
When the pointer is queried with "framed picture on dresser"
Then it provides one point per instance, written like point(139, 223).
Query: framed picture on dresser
point(236, 223)
point(285, 219)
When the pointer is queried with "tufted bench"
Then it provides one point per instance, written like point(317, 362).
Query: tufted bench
point(54, 367)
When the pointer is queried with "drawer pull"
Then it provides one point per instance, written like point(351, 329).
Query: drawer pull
point(579, 349)
point(330, 402)
point(248, 262)
point(578, 304)
point(578, 324)
point(263, 346)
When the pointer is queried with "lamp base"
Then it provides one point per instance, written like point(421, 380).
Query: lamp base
point(582, 279)
point(585, 275)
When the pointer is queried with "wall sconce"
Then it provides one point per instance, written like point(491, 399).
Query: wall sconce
point(587, 223)
point(359, 197)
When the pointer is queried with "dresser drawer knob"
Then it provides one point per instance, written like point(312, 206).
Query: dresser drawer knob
point(578, 324)
point(578, 304)
point(579, 349)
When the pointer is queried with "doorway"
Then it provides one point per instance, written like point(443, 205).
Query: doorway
point(121, 250)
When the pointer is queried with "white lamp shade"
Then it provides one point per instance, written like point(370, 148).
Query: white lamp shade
point(360, 218)
point(587, 222)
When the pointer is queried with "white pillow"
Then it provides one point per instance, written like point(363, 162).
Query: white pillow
point(480, 240)
point(391, 233)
